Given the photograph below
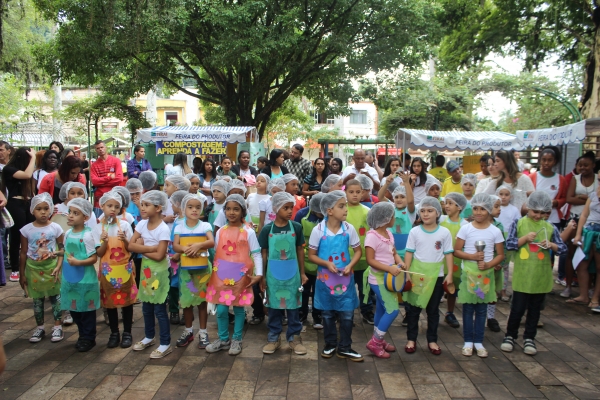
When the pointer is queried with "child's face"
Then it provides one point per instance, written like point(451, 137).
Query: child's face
point(366, 195)
point(497, 209)
point(354, 194)
point(261, 184)
point(111, 208)
point(394, 166)
point(417, 167)
point(537, 215)
point(452, 209)
point(339, 210)
point(195, 185)
point(76, 217)
point(585, 167)
point(219, 196)
point(226, 165)
point(285, 212)
point(148, 210)
point(260, 165)
point(547, 162)
point(233, 212)
point(42, 212)
point(193, 209)
point(236, 191)
point(428, 215)
point(434, 192)
point(135, 197)
point(480, 214)
point(169, 188)
point(504, 195)
point(292, 187)
point(468, 189)
point(400, 201)
point(75, 193)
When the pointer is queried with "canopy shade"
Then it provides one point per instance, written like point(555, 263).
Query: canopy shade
point(229, 134)
point(573, 133)
point(456, 140)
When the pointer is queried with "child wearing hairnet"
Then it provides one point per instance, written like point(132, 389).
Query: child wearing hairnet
point(404, 214)
point(175, 201)
point(125, 202)
point(282, 244)
point(509, 215)
point(173, 183)
point(151, 239)
point(468, 185)
point(148, 180)
point(195, 189)
point(367, 198)
point(254, 199)
point(235, 187)
point(532, 238)
point(382, 257)
point(266, 209)
point(219, 194)
point(135, 188)
point(40, 262)
point(335, 295)
point(428, 248)
point(477, 284)
point(292, 186)
point(492, 323)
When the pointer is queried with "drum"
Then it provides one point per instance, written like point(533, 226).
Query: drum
point(193, 262)
point(61, 219)
point(396, 283)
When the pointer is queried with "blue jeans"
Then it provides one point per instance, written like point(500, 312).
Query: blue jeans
point(365, 309)
point(223, 322)
point(160, 311)
point(330, 330)
point(383, 319)
point(294, 325)
point(473, 329)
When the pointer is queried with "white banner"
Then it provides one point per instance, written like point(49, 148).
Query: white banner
point(552, 136)
point(229, 134)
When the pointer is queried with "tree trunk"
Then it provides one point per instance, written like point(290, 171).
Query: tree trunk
point(590, 98)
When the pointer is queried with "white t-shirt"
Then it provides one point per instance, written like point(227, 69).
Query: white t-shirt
point(419, 191)
point(221, 219)
point(112, 230)
point(63, 209)
point(317, 233)
point(38, 176)
point(594, 216)
point(41, 241)
point(430, 247)
point(519, 196)
point(550, 186)
point(508, 215)
point(253, 201)
point(266, 206)
point(201, 227)
point(491, 236)
point(88, 241)
point(176, 170)
point(155, 236)
point(351, 169)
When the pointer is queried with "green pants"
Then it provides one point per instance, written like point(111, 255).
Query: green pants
point(38, 309)
point(223, 322)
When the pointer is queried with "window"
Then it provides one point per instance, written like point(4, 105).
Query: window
point(171, 117)
point(358, 117)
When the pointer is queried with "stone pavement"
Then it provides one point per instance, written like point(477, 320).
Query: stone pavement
point(566, 367)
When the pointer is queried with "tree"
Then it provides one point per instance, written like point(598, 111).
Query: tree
point(247, 57)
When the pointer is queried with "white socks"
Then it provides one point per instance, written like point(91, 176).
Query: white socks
point(190, 330)
point(468, 345)
point(41, 327)
point(478, 346)
point(205, 331)
point(145, 340)
point(163, 347)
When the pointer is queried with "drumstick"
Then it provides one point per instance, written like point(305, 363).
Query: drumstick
point(414, 273)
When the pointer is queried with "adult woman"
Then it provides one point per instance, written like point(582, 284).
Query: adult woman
point(483, 184)
point(56, 146)
point(506, 165)
point(312, 183)
point(243, 167)
point(138, 163)
point(48, 165)
point(67, 152)
point(197, 165)
point(18, 185)
point(180, 165)
point(275, 169)
point(207, 175)
point(336, 166)
point(69, 171)
point(418, 178)
point(392, 166)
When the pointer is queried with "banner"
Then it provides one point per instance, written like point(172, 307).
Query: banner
point(558, 136)
point(190, 148)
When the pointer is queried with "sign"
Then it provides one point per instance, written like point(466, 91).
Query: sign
point(558, 136)
point(190, 148)
point(471, 164)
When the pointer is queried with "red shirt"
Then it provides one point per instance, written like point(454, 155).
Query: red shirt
point(105, 175)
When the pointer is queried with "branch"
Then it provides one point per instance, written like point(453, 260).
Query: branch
point(188, 67)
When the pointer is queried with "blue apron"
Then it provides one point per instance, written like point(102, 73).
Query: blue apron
point(332, 291)
point(283, 274)
point(401, 229)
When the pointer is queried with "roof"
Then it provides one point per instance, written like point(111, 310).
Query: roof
point(230, 134)
point(456, 140)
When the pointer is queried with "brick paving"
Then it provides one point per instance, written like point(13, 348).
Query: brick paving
point(566, 367)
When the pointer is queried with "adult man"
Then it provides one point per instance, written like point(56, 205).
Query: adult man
point(85, 166)
point(301, 167)
point(4, 153)
point(483, 164)
point(371, 161)
point(361, 167)
point(106, 173)
point(439, 171)
point(452, 184)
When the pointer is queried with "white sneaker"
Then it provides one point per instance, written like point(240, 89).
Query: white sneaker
point(68, 319)
point(566, 293)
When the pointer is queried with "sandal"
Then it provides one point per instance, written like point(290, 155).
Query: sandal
point(593, 304)
point(573, 301)
point(435, 352)
point(410, 350)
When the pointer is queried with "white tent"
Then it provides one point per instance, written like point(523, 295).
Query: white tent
point(229, 134)
point(573, 133)
point(456, 140)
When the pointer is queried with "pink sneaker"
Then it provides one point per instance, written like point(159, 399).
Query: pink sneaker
point(14, 277)
point(376, 347)
point(388, 347)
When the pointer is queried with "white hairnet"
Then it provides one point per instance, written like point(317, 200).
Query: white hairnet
point(470, 178)
point(483, 200)
point(41, 198)
point(432, 182)
point(237, 184)
point(148, 179)
point(156, 197)
point(330, 199)
point(188, 197)
point(225, 178)
point(392, 187)
point(124, 194)
point(112, 195)
point(287, 178)
point(238, 199)
point(330, 182)
point(180, 182)
point(539, 201)
point(267, 178)
point(380, 214)
point(64, 190)
point(431, 202)
point(191, 176)
point(494, 198)
point(315, 202)
point(134, 185)
point(279, 199)
point(82, 205)
point(62, 195)
point(177, 197)
point(505, 187)
point(365, 182)
point(278, 183)
point(458, 198)
point(400, 190)
point(222, 186)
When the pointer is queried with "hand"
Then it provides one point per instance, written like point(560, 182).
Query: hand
point(577, 240)
point(169, 218)
point(413, 177)
point(121, 236)
point(479, 256)
point(263, 284)
point(582, 197)
point(498, 267)
point(482, 265)
point(140, 241)
point(347, 270)
point(55, 210)
point(304, 279)
point(72, 260)
point(175, 257)
point(331, 267)
point(31, 153)
point(254, 280)
point(56, 273)
point(351, 176)
point(448, 279)
point(572, 225)
point(394, 271)
point(404, 176)
point(390, 178)
point(23, 281)
point(104, 236)
point(530, 237)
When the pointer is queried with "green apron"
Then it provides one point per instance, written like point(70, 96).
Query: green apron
point(401, 229)
point(307, 228)
point(154, 281)
point(499, 275)
point(40, 282)
point(533, 268)
point(80, 290)
point(476, 286)
point(390, 299)
point(468, 211)
point(283, 273)
point(192, 286)
point(422, 285)
point(453, 227)
point(357, 217)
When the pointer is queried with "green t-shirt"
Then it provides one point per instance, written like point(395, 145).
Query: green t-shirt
point(263, 237)
point(440, 173)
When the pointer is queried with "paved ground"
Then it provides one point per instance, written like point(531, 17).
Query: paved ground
point(567, 365)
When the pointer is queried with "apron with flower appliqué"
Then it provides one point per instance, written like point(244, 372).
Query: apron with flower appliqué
point(232, 269)
point(116, 275)
point(533, 269)
point(193, 282)
point(401, 229)
point(453, 227)
point(333, 291)
point(476, 286)
point(79, 290)
point(283, 274)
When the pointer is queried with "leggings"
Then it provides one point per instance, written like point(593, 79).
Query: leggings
point(113, 319)
point(38, 309)
point(223, 322)
point(383, 319)
point(19, 210)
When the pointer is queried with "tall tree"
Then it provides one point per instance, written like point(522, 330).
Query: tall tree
point(246, 56)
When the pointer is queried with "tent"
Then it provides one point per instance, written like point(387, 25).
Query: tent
point(456, 140)
point(558, 136)
point(229, 134)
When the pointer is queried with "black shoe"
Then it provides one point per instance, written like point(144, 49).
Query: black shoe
point(126, 340)
point(256, 320)
point(175, 320)
point(493, 325)
point(328, 351)
point(185, 339)
point(350, 354)
point(451, 320)
point(368, 318)
point(231, 318)
point(404, 321)
point(78, 343)
point(114, 340)
point(86, 345)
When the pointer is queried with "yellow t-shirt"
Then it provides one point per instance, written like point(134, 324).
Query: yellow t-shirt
point(440, 173)
point(450, 187)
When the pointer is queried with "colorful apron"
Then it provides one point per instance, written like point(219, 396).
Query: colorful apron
point(422, 285)
point(154, 281)
point(40, 282)
point(453, 227)
point(283, 273)
point(401, 229)
point(533, 270)
point(173, 264)
point(116, 275)
point(192, 285)
point(390, 299)
point(476, 286)
point(79, 289)
point(333, 291)
point(357, 217)
point(232, 269)
point(499, 275)
point(307, 227)
point(468, 211)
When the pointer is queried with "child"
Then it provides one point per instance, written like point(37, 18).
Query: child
point(261, 162)
point(266, 210)
point(119, 289)
point(135, 188)
point(334, 290)
point(253, 200)
point(331, 183)
point(283, 259)
point(193, 282)
point(433, 188)
point(40, 262)
point(79, 292)
point(195, 189)
point(151, 238)
point(477, 288)
point(468, 184)
point(235, 187)
point(357, 217)
point(226, 165)
point(508, 215)
point(292, 186)
point(175, 201)
point(532, 238)
point(149, 180)
point(309, 222)
point(219, 191)
point(173, 183)
point(427, 247)
point(366, 184)
point(404, 215)
point(231, 281)
point(492, 323)
point(454, 203)
point(382, 257)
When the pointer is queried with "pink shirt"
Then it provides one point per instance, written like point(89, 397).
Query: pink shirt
point(383, 247)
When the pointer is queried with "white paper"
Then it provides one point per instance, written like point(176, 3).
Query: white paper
point(578, 257)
